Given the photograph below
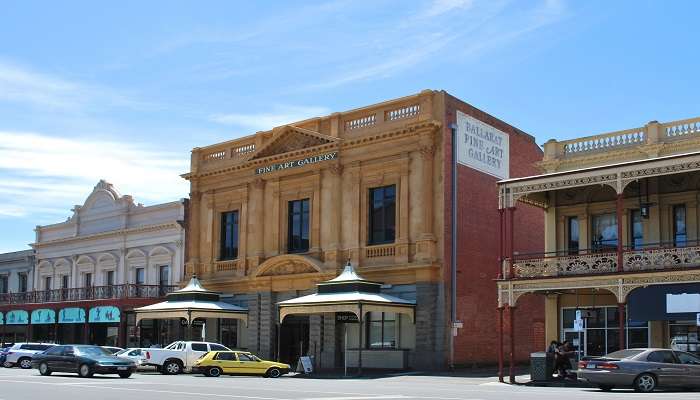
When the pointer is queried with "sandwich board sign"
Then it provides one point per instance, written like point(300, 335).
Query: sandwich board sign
point(305, 365)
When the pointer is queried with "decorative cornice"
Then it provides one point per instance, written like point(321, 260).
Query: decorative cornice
point(120, 232)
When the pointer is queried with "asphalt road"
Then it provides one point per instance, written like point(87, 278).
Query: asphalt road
point(29, 385)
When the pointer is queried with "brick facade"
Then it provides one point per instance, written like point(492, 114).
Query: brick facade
point(478, 246)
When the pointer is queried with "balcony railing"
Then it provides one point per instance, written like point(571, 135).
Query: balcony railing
point(651, 133)
point(651, 257)
point(89, 293)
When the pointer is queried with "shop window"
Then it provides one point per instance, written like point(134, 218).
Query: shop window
point(573, 232)
point(298, 226)
point(4, 284)
point(23, 283)
point(684, 336)
point(229, 236)
point(680, 236)
point(604, 232)
point(636, 230)
point(381, 330)
point(382, 215)
point(602, 330)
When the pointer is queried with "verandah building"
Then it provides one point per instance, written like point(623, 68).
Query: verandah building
point(110, 256)
point(275, 213)
point(621, 244)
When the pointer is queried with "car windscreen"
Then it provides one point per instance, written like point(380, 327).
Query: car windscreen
point(92, 351)
point(622, 354)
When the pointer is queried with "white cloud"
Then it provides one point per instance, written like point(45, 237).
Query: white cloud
point(26, 86)
point(278, 116)
point(45, 176)
point(439, 7)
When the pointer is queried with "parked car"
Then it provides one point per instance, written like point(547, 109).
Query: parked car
point(217, 363)
point(134, 354)
point(20, 354)
point(3, 354)
point(642, 369)
point(83, 360)
point(179, 356)
point(112, 349)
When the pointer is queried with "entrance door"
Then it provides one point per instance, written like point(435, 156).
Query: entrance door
point(294, 339)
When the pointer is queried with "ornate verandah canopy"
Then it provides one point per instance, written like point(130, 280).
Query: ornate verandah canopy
point(192, 302)
point(348, 292)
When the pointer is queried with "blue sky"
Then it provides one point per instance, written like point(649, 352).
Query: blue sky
point(123, 90)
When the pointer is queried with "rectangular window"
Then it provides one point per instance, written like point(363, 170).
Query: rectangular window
point(164, 275)
point(65, 284)
point(139, 276)
point(298, 226)
point(110, 278)
point(87, 281)
point(3, 284)
point(381, 330)
point(573, 231)
point(680, 237)
point(636, 229)
point(229, 235)
point(604, 232)
point(23, 283)
point(382, 215)
point(47, 283)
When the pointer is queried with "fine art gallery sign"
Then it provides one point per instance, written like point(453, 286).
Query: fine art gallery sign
point(296, 163)
point(481, 146)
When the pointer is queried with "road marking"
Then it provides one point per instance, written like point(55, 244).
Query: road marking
point(368, 397)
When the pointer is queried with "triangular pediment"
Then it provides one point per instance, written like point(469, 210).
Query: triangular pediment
point(292, 138)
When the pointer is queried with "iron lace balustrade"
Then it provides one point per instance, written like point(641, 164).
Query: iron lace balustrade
point(89, 293)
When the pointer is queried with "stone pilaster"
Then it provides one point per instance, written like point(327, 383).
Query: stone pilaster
point(267, 325)
point(430, 350)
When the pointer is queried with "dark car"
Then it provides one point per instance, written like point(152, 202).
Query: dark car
point(83, 360)
point(642, 369)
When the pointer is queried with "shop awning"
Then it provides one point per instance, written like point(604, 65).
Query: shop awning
point(348, 292)
point(192, 302)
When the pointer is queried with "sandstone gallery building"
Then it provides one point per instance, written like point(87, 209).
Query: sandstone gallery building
point(274, 214)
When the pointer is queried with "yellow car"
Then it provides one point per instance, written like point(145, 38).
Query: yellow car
point(217, 363)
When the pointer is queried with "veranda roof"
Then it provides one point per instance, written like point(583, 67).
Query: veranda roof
point(348, 292)
point(192, 302)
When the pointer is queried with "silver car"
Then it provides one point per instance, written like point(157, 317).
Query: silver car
point(642, 369)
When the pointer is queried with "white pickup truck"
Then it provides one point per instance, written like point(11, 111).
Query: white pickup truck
point(179, 357)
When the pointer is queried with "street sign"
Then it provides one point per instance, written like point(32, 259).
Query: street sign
point(698, 319)
point(578, 325)
point(578, 314)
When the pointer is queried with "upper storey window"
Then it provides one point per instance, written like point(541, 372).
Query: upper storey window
point(680, 235)
point(382, 215)
point(298, 226)
point(604, 232)
point(229, 235)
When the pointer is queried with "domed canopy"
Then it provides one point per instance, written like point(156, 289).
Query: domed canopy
point(192, 302)
point(348, 292)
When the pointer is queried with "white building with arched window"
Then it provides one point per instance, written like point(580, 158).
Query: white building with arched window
point(110, 256)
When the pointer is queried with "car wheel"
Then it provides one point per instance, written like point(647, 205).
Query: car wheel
point(172, 367)
point(25, 363)
point(44, 369)
point(7, 364)
point(214, 372)
point(85, 371)
point(645, 383)
point(274, 373)
point(606, 388)
point(124, 375)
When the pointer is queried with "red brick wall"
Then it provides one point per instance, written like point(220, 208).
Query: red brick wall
point(478, 247)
